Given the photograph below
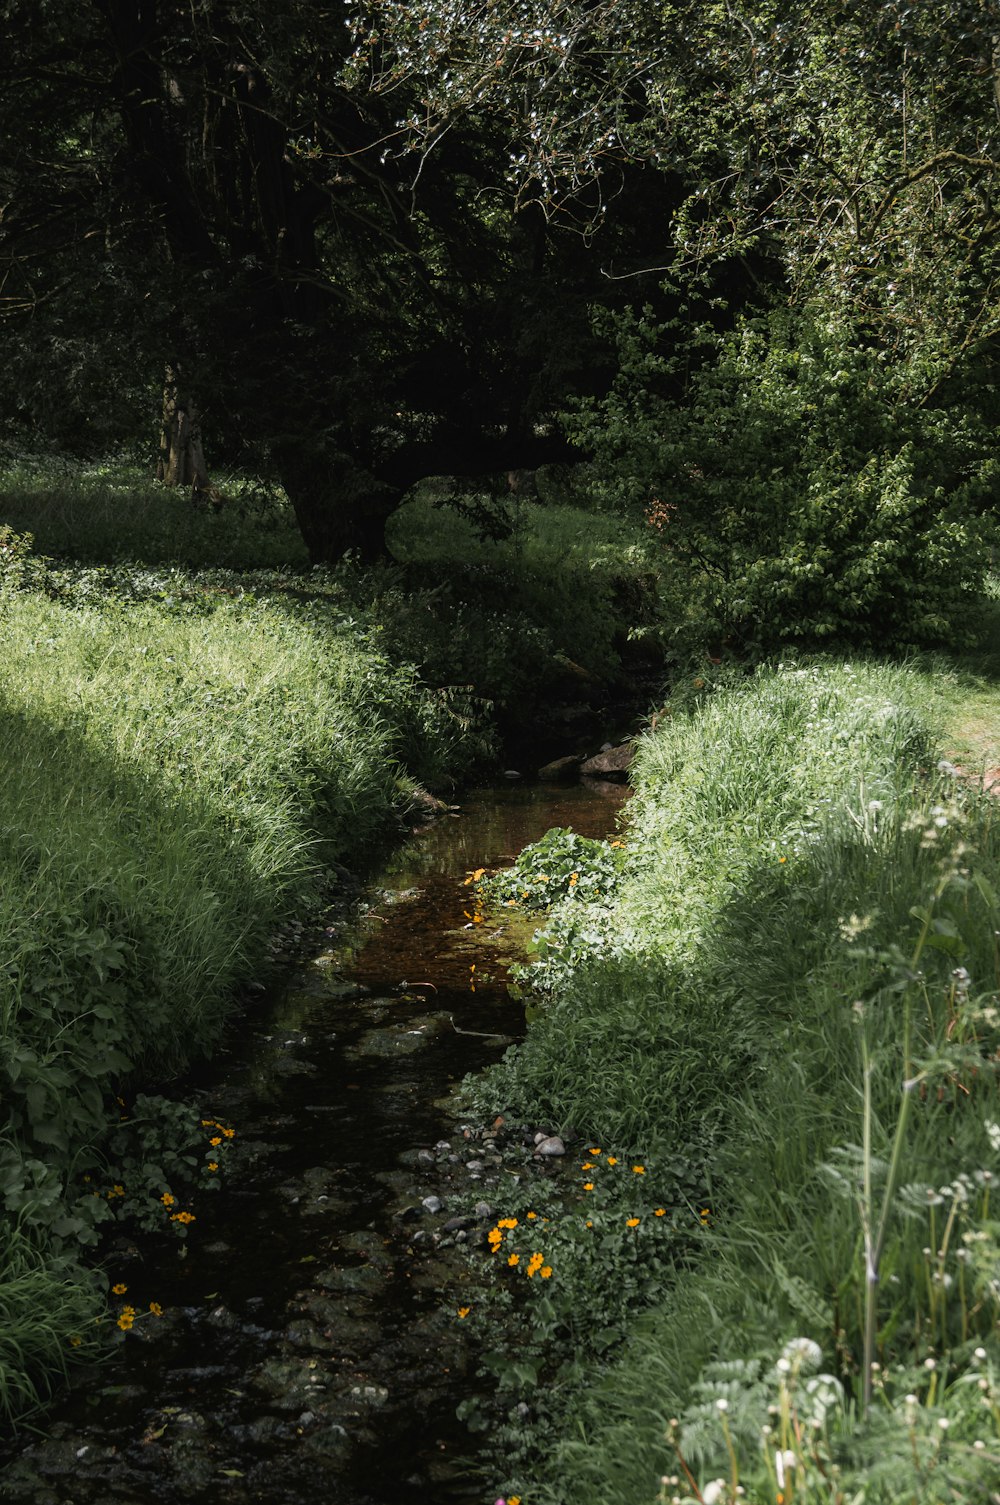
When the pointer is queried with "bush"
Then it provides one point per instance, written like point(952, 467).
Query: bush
point(793, 487)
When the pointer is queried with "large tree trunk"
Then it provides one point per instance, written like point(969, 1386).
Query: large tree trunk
point(339, 509)
point(182, 459)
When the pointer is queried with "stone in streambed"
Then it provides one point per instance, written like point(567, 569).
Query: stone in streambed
point(614, 762)
point(561, 768)
point(550, 1147)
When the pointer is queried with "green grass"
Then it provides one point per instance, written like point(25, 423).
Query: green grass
point(787, 837)
point(112, 511)
point(180, 765)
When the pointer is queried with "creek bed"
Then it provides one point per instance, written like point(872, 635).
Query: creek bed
point(310, 1348)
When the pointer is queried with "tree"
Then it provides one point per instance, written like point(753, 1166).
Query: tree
point(230, 183)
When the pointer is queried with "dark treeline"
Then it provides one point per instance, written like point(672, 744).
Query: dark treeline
point(740, 258)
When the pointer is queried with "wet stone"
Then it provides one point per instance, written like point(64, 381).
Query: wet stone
point(386, 1043)
point(331, 1443)
point(362, 1280)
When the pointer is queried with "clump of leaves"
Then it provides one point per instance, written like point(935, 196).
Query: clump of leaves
point(560, 866)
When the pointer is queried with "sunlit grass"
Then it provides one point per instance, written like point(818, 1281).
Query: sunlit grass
point(786, 835)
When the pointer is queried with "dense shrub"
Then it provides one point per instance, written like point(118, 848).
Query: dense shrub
point(798, 494)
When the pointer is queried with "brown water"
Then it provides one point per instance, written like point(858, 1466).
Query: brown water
point(310, 1350)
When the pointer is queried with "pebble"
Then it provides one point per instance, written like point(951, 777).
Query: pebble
point(433, 1204)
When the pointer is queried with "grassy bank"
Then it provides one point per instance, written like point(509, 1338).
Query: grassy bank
point(779, 1035)
point(181, 765)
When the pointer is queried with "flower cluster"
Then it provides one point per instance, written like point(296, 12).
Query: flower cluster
point(127, 1315)
point(535, 1264)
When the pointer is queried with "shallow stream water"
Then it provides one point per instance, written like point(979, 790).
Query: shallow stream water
point(310, 1351)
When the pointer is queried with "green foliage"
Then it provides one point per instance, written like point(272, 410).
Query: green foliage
point(560, 867)
point(112, 512)
point(794, 488)
point(48, 1310)
point(571, 1262)
point(538, 614)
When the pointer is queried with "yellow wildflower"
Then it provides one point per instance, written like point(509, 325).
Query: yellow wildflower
point(464, 1311)
point(631, 1222)
point(167, 1199)
point(229, 1133)
point(156, 1309)
point(120, 1288)
point(612, 1160)
point(660, 1212)
point(546, 1272)
point(182, 1217)
point(639, 1170)
point(593, 1152)
point(125, 1322)
point(532, 1215)
point(514, 1259)
point(213, 1165)
point(507, 1223)
point(588, 1186)
point(215, 1142)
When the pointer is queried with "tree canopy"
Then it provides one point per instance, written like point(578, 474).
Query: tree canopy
point(377, 242)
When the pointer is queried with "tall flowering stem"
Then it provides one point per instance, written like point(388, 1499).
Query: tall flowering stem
point(875, 1233)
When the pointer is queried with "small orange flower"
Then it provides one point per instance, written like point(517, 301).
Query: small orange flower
point(588, 1186)
point(156, 1309)
point(167, 1199)
point(631, 1222)
point(639, 1170)
point(514, 1259)
point(215, 1142)
point(120, 1288)
point(531, 1215)
point(612, 1160)
point(546, 1272)
point(229, 1133)
point(213, 1165)
point(660, 1212)
point(464, 1311)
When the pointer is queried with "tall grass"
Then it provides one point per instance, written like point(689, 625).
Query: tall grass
point(177, 772)
point(799, 991)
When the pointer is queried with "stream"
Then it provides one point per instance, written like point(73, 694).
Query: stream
point(310, 1348)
